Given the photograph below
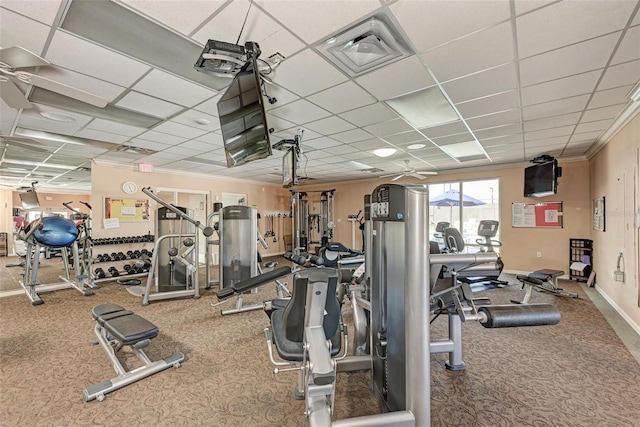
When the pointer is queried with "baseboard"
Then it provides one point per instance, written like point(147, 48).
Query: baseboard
point(617, 308)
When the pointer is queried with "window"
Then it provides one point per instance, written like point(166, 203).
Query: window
point(463, 204)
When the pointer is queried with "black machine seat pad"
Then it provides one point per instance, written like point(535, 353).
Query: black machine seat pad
point(124, 325)
point(546, 274)
point(291, 350)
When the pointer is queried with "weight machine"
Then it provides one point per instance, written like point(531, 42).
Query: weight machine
point(306, 225)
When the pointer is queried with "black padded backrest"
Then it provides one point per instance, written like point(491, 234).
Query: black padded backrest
point(434, 247)
point(294, 312)
point(453, 239)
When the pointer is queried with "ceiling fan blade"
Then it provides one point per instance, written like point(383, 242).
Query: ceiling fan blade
point(387, 176)
point(397, 177)
point(415, 175)
point(428, 173)
point(19, 57)
point(69, 91)
point(12, 95)
point(24, 146)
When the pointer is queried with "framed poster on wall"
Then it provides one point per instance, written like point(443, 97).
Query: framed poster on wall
point(126, 210)
point(536, 215)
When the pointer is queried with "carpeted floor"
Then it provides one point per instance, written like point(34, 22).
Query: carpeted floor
point(577, 373)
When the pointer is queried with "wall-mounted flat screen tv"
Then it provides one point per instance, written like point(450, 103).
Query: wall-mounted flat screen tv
point(541, 179)
point(29, 200)
point(289, 168)
point(243, 120)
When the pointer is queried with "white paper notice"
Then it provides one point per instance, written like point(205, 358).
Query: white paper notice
point(128, 211)
point(111, 223)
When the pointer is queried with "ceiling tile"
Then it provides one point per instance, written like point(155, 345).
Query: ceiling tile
point(524, 6)
point(396, 79)
point(598, 125)
point(328, 16)
point(99, 135)
point(160, 137)
point(629, 49)
point(473, 53)
point(608, 97)
point(545, 142)
point(281, 95)
point(579, 58)
point(306, 73)
point(33, 122)
point(549, 133)
point(173, 89)
point(490, 104)
point(370, 144)
point(502, 140)
point(148, 105)
point(352, 135)
point(189, 118)
point(278, 124)
point(90, 59)
point(569, 22)
point(114, 127)
point(345, 96)
point(603, 113)
point(214, 139)
point(555, 108)
point(330, 125)
point(619, 75)
point(495, 80)
point(301, 111)
point(323, 142)
point(431, 23)
point(560, 88)
point(497, 131)
point(551, 122)
point(16, 30)
point(586, 136)
point(496, 119)
point(209, 106)
point(183, 16)
point(389, 127)
point(404, 137)
point(178, 129)
point(43, 11)
point(109, 91)
point(370, 114)
point(258, 27)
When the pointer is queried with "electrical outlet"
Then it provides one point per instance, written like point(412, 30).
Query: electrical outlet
point(539, 254)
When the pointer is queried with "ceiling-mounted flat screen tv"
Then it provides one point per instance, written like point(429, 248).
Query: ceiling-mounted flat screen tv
point(289, 166)
point(29, 200)
point(243, 120)
point(540, 180)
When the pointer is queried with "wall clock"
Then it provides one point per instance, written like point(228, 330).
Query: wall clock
point(129, 187)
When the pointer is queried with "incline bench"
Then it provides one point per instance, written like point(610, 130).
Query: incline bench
point(544, 281)
point(116, 328)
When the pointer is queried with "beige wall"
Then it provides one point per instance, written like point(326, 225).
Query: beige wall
point(107, 182)
point(614, 175)
point(519, 245)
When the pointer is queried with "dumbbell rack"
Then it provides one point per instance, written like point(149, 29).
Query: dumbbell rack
point(121, 256)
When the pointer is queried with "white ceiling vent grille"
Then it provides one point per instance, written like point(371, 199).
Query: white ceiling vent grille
point(366, 46)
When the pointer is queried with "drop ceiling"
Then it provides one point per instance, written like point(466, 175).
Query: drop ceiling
point(520, 79)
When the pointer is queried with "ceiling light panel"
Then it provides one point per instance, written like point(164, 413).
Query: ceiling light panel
point(148, 105)
point(431, 23)
point(555, 26)
point(399, 78)
point(98, 87)
point(424, 108)
point(444, 130)
point(472, 53)
point(485, 83)
point(259, 28)
point(453, 139)
point(345, 96)
point(307, 73)
point(579, 58)
point(16, 30)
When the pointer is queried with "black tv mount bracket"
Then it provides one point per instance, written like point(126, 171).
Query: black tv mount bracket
point(542, 159)
point(286, 144)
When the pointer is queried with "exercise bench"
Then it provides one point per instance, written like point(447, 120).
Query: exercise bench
point(116, 328)
point(544, 281)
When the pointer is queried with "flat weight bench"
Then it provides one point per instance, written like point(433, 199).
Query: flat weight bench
point(116, 328)
point(545, 281)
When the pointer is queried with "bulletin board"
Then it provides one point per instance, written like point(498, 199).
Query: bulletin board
point(535, 215)
point(126, 210)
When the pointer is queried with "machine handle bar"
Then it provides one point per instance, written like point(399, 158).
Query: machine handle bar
point(206, 230)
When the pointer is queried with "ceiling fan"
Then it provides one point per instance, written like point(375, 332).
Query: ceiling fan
point(20, 142)
point(12, 59)
point(407, 171)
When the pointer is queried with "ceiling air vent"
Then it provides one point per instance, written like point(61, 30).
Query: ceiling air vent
point(134, 150)
point(370, 44)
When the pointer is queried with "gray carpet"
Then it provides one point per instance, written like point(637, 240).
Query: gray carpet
point(577, 373)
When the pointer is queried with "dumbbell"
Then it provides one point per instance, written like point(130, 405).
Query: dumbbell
point(130, 269)
point(137, 253)
point(99, 272)
point(114, 271)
